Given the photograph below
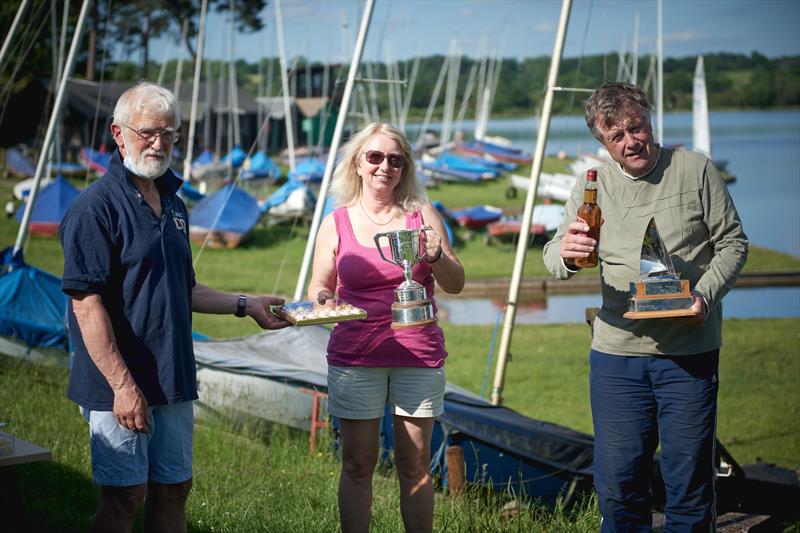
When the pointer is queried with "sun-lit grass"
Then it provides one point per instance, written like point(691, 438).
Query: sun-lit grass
point(248, 477)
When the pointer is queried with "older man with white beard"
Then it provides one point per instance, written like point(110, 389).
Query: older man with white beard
point(128, 272)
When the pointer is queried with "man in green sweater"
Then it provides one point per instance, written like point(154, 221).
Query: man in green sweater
point(654, 380)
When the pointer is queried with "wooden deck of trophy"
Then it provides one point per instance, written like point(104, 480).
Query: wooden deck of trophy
point(660, 297)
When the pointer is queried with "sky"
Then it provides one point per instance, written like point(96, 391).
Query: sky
point(326, 30)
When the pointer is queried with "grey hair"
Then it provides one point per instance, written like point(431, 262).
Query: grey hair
point(147, 96)
point(611, 99)
point(346, 184)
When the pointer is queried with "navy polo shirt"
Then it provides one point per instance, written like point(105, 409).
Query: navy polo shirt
point(141, 266)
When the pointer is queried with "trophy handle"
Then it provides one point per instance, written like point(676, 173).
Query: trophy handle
point(421, 247)
point(377, 240)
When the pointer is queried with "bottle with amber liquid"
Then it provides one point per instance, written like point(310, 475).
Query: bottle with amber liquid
point(589, 213)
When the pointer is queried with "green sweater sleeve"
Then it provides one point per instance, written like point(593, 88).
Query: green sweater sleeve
point(728, 238)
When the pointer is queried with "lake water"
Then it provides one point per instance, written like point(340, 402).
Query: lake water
point(763, 152)
point(766, 302)
point(762, 149)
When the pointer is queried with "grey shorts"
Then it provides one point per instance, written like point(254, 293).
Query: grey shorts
point(361, 393)
point(123, 458)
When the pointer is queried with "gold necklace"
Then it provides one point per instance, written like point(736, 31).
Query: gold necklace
point(371, 219)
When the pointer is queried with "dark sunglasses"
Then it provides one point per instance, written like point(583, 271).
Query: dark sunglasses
point(374, 157)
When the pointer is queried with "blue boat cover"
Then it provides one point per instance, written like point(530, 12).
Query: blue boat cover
point(492, 148)
point(190, 192)
point(32, 306)
point(280, 195)
point(19, 164)
point(453, 161)
point(96, 160)
point(261, 166)
point(51, 202)
point(206, 157)
point(232, 208)
point(308, 171)
point(236, 157)
point(478, 213)
point(439, 206)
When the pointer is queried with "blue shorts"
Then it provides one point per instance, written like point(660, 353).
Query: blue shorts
point(362, 392)
point(123, 458)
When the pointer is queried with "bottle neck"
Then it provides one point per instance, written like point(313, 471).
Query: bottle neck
point(590, 194)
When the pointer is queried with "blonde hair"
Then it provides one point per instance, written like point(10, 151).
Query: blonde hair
point(346, 183)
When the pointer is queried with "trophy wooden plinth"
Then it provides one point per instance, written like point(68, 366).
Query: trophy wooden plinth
point(660, 297)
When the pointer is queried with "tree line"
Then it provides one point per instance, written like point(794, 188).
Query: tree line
point(733, 80)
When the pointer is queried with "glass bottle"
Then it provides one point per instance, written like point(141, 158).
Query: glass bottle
point(590, 214)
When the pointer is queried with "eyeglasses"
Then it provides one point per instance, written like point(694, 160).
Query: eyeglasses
point(149, 135)
point(374, 157)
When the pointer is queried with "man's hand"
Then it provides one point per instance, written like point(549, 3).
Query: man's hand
point(130, 408)
point(701, 312)
point(258, 307)
point(575, 243)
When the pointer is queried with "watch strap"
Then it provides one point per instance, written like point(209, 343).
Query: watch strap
point(241, 306)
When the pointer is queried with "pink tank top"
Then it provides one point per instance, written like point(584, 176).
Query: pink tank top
point(367, 281)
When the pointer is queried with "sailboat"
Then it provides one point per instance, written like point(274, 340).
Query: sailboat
point(701, 129)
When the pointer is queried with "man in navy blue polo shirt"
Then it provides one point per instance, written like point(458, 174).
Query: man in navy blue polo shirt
point(128, 271)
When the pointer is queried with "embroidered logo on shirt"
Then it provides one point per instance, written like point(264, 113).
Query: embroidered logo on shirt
point(180, 222)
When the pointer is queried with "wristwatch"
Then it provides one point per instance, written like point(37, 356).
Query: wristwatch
point(241, 306)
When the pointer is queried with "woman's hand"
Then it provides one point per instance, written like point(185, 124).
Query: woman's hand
point(323, 296)
point(433, 244)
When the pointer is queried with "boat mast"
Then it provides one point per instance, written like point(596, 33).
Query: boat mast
point(287, 110)
point(12, 30)
point(660, 77)
point(198, 66)
point(522, 243)
point(51, 127)
point(335, 141)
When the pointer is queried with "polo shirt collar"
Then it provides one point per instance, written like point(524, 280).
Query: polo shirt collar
point(167, 183)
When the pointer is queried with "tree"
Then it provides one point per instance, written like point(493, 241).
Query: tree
point(138, 21)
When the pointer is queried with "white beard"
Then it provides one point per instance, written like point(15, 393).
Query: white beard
point(145, 168)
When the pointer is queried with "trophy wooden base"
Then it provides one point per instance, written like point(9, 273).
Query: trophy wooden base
point(638, 315)
point(663, 297)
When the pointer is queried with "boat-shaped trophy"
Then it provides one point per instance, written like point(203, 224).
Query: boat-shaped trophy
point(659, 293)
point(411, 306)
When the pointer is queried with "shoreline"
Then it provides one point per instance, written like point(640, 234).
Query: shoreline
point(539, 286)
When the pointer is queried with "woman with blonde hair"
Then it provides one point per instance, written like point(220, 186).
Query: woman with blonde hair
point(370, 363)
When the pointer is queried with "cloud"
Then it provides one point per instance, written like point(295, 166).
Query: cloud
point(544, 27)
point(686, 36)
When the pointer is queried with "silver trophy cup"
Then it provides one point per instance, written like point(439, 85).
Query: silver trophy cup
point(411, 306)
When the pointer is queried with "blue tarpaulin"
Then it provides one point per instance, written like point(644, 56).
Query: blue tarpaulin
point(261, 166)
point(19, 164)
point(232, 208)
point(236, 157)
point(51, 204)
point(32, 306)
point(308, 171)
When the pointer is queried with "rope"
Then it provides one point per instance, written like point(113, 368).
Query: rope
point(99, 89)
point(491, 352)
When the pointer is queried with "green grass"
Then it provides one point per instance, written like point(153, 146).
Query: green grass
point(256, 478)
point(246, 478)
point(548, 379)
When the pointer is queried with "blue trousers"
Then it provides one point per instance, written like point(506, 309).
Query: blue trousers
point(638, 402)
